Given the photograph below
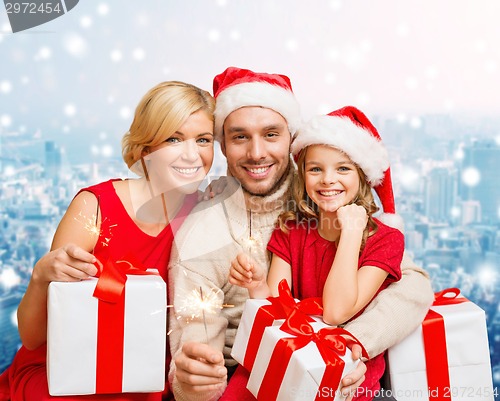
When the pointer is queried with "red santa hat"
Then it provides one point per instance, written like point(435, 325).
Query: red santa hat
point(238, 87)
point(350, 131)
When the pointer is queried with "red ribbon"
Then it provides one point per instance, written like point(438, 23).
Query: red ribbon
point(436, 353)
point(110, 291)
point(281, 306)
point(331, 342)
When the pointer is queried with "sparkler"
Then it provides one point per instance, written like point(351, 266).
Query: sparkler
point(197, 304)
point(90, 224)
point(250, 242)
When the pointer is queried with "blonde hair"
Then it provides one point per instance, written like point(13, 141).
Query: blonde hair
point(160, 113)
point(305, 210)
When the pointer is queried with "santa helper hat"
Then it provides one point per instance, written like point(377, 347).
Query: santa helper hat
point(237, 87)
point(350, 131)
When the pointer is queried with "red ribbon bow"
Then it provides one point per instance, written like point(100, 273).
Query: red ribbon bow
point(436, 353)
point(331, 342)
point(110, 291)
point(280, 308)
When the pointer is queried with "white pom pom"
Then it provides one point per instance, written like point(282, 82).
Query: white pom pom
point(392, 220)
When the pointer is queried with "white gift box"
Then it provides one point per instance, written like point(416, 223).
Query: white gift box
point(468, 359)
point(247, 321)
point(304, 372)
point(72, 336)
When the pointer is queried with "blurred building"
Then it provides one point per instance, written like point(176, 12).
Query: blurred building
point(440, 194)
point(53, 161)
point(481, 159)
point(8, 329)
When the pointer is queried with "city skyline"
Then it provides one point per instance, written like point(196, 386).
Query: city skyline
point(459, 250)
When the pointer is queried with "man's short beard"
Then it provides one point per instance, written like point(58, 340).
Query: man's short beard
point(274, 188)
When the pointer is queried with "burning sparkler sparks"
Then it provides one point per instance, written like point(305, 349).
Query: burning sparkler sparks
point(198, 304)
point(91, 224)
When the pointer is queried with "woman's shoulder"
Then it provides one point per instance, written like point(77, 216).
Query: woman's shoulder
point(102, 187)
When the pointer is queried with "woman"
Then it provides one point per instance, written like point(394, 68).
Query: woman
point(170, 146)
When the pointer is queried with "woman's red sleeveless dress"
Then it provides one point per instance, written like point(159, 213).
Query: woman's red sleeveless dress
point(26, 378)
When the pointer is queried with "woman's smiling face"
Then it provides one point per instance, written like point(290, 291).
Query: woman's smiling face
point(183, 160)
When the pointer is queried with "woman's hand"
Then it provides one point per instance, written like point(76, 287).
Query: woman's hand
point(68, 263)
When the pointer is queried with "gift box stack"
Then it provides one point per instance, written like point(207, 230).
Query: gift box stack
point(290, 353)
point(447, 357)
point(107, 335)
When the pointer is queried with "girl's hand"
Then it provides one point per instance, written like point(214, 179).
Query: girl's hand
point(246, 273)
point(214, 188)
point(352, 217)
point(69, 263)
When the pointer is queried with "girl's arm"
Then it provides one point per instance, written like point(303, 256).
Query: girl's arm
point(347, 290)
point(69, 260)
point(278, 271)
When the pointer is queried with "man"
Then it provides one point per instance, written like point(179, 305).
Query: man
point(256, 116)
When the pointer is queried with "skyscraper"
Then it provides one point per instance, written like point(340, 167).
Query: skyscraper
point(53, 161)
point(439, 194)
point(479, 172)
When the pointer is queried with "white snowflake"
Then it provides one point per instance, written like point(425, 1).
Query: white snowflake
point(363, 98)
point(235, 35)
point(415, 122)
point(471, 176)
point(107, 151)
point(5, 120)
point(103, 9)
point(403, 29)
point(86, 21)
point(335, 5)
point(125, 112)
point(213, 35)
point(138, 54)
point(116, 55)
point(70, 110)
point(9, 278)
point(411, 83)
point(5, 87)
point(291, 45)
point(75, 45)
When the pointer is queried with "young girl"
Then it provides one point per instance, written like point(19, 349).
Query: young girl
point(330, 245)
point(170, 146)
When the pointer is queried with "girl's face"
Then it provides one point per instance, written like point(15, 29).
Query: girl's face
point(184, 159)
point(331, 178)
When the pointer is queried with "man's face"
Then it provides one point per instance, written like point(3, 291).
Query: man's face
point(257, 148)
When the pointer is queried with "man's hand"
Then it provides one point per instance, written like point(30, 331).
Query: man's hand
point(353, 380)
point(200, 368)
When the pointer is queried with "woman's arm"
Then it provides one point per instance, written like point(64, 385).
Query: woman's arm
point(69, 260)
